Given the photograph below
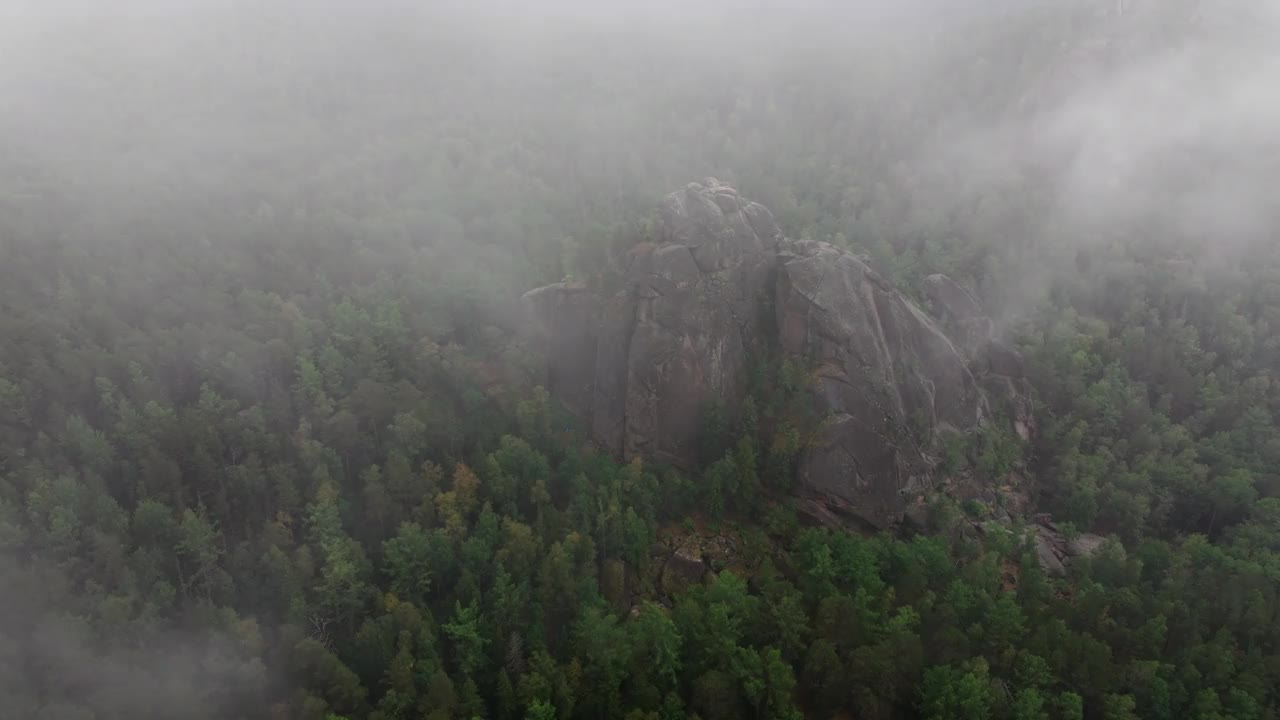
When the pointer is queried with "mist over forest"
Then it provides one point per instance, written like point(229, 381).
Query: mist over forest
point(278, 438)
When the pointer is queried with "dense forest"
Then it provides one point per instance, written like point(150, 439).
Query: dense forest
point(274, 445)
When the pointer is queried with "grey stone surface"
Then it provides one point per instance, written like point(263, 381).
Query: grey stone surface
point(642, 367)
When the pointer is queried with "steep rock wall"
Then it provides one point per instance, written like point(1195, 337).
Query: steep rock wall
point(642, 367)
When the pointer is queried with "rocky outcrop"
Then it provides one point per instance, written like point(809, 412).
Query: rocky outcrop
point(573, 314)
point(683, 569)
point(690, 559)
point(997, 365)
point(721, 284)
point(644, 365)
point(886, 376)
point(1055, 552)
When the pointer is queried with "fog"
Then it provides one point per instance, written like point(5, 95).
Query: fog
point(1108, 112)
point(482, 137)
point(1025, 124)
point(53, 664)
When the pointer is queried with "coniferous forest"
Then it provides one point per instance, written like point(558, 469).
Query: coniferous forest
point(274, 442)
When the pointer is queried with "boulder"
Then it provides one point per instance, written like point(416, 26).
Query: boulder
point(917, 516)
point(1047, 554)
point(684, 568)
point(1085, 545)
point(1055, 552)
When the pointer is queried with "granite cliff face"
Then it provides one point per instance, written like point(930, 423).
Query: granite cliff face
point(643, 366)
point(720, 284)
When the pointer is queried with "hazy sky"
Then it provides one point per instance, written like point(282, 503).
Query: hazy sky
point(1118, 113)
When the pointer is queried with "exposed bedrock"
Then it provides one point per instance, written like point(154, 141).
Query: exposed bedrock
point(721, 283)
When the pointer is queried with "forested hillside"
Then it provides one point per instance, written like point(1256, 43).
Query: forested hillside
point(273, 442)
